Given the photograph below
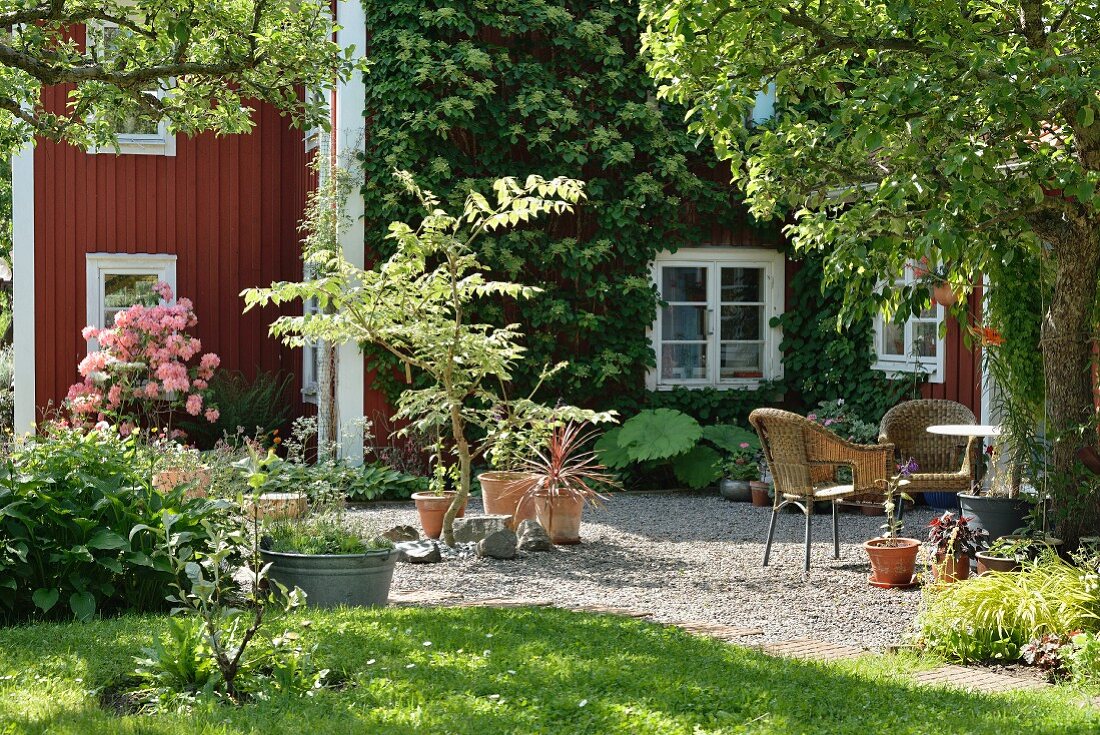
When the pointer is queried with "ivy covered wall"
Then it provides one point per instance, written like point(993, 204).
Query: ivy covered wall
point(462, 92)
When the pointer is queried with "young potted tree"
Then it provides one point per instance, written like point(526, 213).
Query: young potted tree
point(893, 557)
point(565, 476)
point(417, 306)
point(953, 543)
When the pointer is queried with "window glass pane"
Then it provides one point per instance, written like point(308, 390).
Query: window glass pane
point(121, 291)
point(893, 339)
point(742, 285)
point(680, 283)
point(684, 362)
point(742, 322)
point(683, 322)
point(741, 360)
point(125, 123)
point(924, 338)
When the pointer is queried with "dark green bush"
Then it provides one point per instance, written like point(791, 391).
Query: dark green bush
point(327, 477)
point(258, 407)
point(78, 522)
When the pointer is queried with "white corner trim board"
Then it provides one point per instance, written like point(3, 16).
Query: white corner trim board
point(351, 100)
point(22, 168)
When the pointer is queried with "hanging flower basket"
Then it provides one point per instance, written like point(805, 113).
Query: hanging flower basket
point(943, 295)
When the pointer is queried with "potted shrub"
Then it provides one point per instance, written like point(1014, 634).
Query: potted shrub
point(564, 478)
point(1000, 508)
point(332, 565)
point(1006, 554)
point(953, 542)
point(739, 469)
point(893, 557)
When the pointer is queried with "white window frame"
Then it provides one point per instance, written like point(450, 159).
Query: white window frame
point(314, 136)
point(909, 363)
point(101, 265)
point(162, 143)
point(774, 265)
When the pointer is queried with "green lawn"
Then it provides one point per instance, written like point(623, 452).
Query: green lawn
point(516, 671)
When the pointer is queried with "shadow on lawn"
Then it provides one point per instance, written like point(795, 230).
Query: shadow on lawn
point(524, 671)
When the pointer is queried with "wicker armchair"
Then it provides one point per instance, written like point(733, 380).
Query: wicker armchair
point(803, 458)
point(946, 463)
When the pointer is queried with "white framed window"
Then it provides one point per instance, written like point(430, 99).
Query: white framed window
point(311, 360)
point(136, 136)
point(117, 281)
point(315, 136)
point(713, 328)
point(913, 345)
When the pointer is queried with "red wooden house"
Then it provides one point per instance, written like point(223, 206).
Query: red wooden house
point(213, 216)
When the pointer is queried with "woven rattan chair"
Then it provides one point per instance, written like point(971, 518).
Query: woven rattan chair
point(803, 458)
point(945, 463)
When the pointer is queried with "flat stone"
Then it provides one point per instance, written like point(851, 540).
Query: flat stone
point(397, 534)
point(717, 630)
point(419, 552)
point(975, 679)
point(806, 648)
point(474, 528)
point(498, 545)
point(533, 537)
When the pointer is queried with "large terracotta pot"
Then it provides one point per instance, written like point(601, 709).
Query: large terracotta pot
point(432, 508)
point(951, 568)
point(560, 515)
point(501, 493)
point(273, 506)
point(987, 563)
point(893, 561)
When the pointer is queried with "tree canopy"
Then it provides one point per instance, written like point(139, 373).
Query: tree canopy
point(197, 65)
point(965, 132)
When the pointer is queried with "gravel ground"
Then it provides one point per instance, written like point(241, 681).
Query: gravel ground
point(690, 558)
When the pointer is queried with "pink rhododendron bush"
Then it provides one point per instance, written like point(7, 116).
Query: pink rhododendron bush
point(140, 373)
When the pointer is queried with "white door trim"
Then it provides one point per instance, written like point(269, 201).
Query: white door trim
point(23, 307)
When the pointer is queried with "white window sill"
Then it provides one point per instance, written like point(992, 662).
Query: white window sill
point(309, 395)
point(894, 368)
point(157, 147)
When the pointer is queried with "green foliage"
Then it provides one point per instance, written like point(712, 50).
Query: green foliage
point(845, 420)
point(319, 534)
point(257, 406)
point(731, 438)
point(1083, 660)
point(698, 466)
point(711, 405)
point(7, 388)
point(561, 659)
point(463, 93)
point(212, 61)
point(180, 661)
point(659, 434)
point(5, 255)
point(78, 520)
point(994, 615)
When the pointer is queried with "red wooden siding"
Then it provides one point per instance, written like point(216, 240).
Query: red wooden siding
point(227, 207)
point(962, 379)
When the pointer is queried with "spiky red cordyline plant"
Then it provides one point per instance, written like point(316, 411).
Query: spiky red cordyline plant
point(565, 468)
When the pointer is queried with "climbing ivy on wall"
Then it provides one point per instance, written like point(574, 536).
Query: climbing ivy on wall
point(463, 92)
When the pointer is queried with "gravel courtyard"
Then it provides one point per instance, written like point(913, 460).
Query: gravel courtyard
point(690, 558)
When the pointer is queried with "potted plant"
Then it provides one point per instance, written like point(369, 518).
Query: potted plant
point(332, 565)
point(1000, 509)
point(432, 506)
point(1006, 554)
point(564, 477)
point(953, 542)
point(738, 470)
point(893, 557)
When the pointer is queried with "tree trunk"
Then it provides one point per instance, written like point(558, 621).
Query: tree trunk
point(1068, 360)
point(462, 449)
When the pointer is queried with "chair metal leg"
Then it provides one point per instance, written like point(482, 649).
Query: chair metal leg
point(771, 532)
point(809, 518)
point(836, 535)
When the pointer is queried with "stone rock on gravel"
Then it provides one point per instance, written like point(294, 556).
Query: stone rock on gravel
point(476, 527)
point(397, 534)
point(419, 552)
point(498, 545)
point(533, 537)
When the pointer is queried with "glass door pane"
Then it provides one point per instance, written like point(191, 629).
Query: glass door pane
point(743, 329)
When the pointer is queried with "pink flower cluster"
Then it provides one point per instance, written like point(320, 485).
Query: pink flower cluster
point(141, 359)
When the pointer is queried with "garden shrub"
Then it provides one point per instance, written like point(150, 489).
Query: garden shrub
point(995, 615)
point(78, 516)
point(258, 406)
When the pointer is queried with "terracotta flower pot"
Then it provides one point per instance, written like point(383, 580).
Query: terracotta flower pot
point(761, 494)
point(951, 568)
point(943, 295)
point(987, 563)
point(560, 515)
point(501, 493)
point(893, 561)
point(273, 506)
point(432, 508)
point(168, 480)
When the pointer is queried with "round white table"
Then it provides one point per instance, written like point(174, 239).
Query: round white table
point(980, 430)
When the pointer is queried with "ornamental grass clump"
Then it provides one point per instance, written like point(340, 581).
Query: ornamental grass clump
point(994, 615)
